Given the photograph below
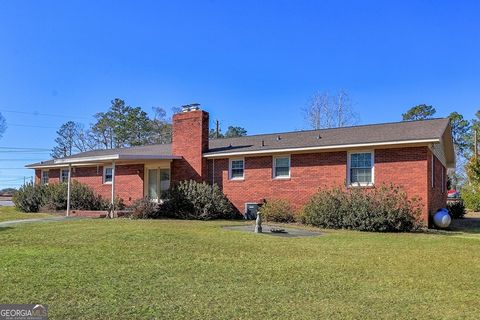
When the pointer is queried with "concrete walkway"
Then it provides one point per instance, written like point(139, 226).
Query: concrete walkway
point(47, 219)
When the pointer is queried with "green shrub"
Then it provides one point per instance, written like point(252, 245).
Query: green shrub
point(383, 209)
point(277, 211)
point(324, 209)
point(142, 209)
point(52, 197)
point(456, 209)
point(29, 197)
point(471, 196)
point(194, 200)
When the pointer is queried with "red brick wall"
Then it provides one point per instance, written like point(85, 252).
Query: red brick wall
point(190, 140)
point(437, 196)
point(309, 172)
point(128, 180)
point(406, 167)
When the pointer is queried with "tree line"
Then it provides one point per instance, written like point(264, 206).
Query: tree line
point(122, 126)
point(326, 110)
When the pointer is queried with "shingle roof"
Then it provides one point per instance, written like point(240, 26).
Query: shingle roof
point(374, 133)
point(155, 149)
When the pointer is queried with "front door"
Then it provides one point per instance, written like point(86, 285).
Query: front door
point(158, 181)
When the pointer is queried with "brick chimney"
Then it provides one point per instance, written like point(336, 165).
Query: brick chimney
point(190, 140)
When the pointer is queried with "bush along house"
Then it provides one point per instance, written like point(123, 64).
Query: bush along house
point(292, 165)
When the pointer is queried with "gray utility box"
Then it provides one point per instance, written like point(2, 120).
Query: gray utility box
point(251, 209)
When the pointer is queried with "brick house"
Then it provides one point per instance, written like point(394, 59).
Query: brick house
point(290, 165)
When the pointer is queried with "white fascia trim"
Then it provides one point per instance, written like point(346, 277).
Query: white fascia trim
point(87, 159)
point(340, 146)
point(115, 157)
point(147, 157)
point(47, 166)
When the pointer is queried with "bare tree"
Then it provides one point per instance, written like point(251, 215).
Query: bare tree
point(330, 111)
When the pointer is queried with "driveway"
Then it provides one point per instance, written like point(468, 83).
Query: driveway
point(469, 224)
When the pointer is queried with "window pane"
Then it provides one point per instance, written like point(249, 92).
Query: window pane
point(108, 175)
point(282, 172)
point(282, 167)
point(237, 169)
point(237, 173)
point(361, 160)
point(164, 179)
point(237, 164)
point(64, 175)
point(360, 175)
point(282, 162)
point(152, 184)
point(44, 177)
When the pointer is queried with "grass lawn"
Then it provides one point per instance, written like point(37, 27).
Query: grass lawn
point(10, 213)
point(166, 269)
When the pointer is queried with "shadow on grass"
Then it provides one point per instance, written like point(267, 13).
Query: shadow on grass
point(5, 228)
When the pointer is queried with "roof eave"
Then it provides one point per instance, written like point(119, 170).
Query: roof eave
point(321, 148)
point(98, 159)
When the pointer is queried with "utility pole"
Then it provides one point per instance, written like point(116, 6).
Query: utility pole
point(217, 128)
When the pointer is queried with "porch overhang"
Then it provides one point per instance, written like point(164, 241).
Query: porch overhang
point(95, 160)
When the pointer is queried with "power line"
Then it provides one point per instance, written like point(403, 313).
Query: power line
point(32, 149)
point(12, 180)
point(19, 159)
point(29, 126)
point(24, 152)
point(35, 113)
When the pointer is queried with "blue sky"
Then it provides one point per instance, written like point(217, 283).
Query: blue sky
point(249, 63)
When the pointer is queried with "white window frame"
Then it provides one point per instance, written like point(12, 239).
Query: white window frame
point(61, 176)
point(360, 184)
point(274, 165)
point(104, 174)
point(41, 176)
point(230, 169)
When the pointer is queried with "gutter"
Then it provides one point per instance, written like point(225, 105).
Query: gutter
point(320, 148)
point(114, 157)
point(88, 160)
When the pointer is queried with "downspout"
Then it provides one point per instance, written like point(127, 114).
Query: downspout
point(113, 188)
point(68, 188)
point(213, 171)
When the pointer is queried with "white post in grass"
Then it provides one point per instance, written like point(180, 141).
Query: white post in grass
point(68, 188)
point(113, 188)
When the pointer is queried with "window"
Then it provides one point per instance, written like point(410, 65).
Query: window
point(63, 175)
point(281, 167)
point(237, 167)
point(360, 168)
point(164, 179)
point(107, 175)
point(158, 182)
point(44, 178)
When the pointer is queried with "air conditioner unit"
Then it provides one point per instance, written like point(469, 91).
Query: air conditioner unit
point(251, 209)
